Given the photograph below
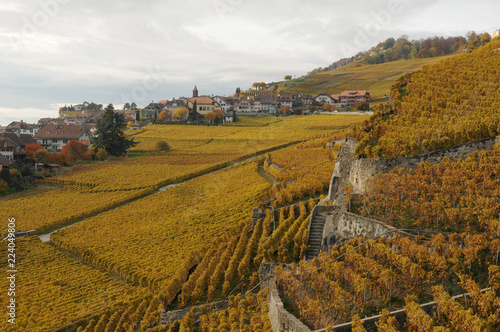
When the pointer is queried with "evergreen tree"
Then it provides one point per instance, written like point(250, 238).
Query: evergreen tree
point(193, 113)
point(109, 133)
point(137, 116)
point(5, 175)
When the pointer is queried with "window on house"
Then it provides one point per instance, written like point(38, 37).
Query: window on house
point(65, 141)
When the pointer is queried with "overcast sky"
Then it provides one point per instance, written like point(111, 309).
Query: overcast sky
point(54, 52)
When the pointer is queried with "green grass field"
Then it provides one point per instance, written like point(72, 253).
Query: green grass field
point(377, 79)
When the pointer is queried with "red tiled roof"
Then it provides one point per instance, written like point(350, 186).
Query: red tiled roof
point(354, 93)
point(13, 140)
point(61, 131)
point(21, 125)
point(201, 100)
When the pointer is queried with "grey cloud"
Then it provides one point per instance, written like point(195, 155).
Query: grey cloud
point(110, 45)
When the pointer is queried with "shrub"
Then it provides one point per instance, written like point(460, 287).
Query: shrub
point(162, 146)
point(102, 154)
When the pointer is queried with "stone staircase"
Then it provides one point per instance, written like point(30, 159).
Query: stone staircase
point(257, 213)
point(315, 235)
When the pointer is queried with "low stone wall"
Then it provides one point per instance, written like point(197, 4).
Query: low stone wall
point(281, 319)
point(342, 226)
point(362, 169)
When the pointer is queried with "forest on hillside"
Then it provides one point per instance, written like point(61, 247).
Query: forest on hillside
point(403, 49)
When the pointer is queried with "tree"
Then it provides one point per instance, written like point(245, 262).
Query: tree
point(327, 107)
point(238, 91)
point(5, 176)
point(210, 116)
point(285, 110)
point(126, 106)
point(180, 113)
point(133, 106)
point(163, 115)
point(137, 116)
point(288, 77)
point(193, 115)
point(217, 116)
point(162, 146)
point(109, 133)
point(362, 106)
point(32, 149)
point(101, 154)
point(77, 149)
point(42, 155)
point(4, 186)
point(389, 42)
point(261, 85)
point(485, 38)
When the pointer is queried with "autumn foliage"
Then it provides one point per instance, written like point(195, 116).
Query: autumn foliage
point(451, 195)
point(453, 102)
point(383, 273)
point(32, 149)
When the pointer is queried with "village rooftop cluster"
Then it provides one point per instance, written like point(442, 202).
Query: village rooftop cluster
point(79, 122)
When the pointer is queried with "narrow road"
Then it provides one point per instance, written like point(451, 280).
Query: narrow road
point(266, 176)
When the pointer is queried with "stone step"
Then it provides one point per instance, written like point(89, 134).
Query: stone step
point(318, 226)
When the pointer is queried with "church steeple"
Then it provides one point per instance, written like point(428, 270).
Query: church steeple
point(195, 91)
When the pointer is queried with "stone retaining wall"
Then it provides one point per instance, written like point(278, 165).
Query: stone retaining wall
point(342, 226)
point(363, 169)
point(281, 319)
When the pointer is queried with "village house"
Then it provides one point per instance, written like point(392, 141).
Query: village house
point(174, 104)
point(335, 98)
point(244, 105)
point(152, 110)
point(43, 121)
point(204, 105)
point(77, 119)
point(303, 100)
point(12, 145)
point(351, 97)
point(284, 99)
point(265, 104)
point(323, 98)
point(223, 104)
point(54, 136)
point(22, 128)
point(229, 116)
point(4, 162)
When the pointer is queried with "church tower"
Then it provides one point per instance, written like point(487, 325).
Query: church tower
point(195, 92)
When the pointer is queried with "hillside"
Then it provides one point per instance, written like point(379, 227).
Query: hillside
point(453, 102)
point(189, 244)
point(377, 79)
